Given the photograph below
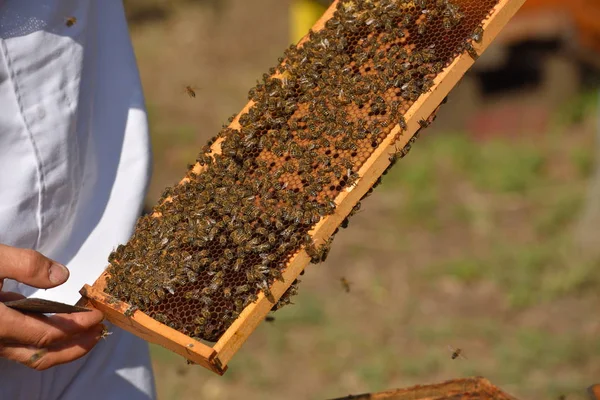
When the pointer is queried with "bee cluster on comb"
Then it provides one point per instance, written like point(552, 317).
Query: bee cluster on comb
point(216, 241)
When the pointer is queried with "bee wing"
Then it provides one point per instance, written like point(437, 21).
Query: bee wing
point(452, 349)
point(462, 355)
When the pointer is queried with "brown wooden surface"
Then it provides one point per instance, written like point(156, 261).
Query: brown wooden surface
point(468, 388)
point(231, 341)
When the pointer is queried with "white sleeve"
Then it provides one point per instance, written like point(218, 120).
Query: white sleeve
point(74, 169)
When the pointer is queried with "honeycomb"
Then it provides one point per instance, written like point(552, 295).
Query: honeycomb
point(215, 242)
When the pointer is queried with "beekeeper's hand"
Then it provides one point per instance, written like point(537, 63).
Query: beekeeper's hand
point(41, 342)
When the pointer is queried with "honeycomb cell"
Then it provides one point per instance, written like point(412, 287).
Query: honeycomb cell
point(229, 232)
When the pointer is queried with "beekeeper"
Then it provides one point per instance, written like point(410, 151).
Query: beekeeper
point(74, 169)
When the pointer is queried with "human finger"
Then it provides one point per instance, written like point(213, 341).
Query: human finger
point(31, 267)
point(40, 330)
point(43, 358)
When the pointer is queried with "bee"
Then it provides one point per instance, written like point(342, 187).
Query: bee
point(288, 231)
point(265, 288)
point(189, 295)
point(318, 255)
point(395, 156)
point(161, 318)
point(447, 23)
point(471, 51)
point(251, 298)
point(477, 34)
point(267, 258)
point(345, 284)
point(456, 353)
point(239, 305)
point(105, 333)
point(424, 123)
point(239, 236)
point(227, 292)
point(355, 209)
point(192, 276)
point(190, 91)
point(130, 311)
point(70, 21)
point(228, 254)
point(242, 289)
point(402, 123)
point(206, 313)
point(216, 283)
point(270, 318)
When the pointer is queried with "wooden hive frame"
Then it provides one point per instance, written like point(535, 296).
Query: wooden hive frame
point(216, 356)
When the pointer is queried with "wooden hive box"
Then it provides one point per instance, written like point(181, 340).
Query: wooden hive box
point(216, 355)
point(477, 388)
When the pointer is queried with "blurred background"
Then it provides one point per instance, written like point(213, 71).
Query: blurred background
point(485, 238)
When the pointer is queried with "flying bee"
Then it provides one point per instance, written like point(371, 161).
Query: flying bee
point(105, 332)
point(345, 284)
point(456, 353)
point(190, 91)
point(270, 318)
point(70, 21)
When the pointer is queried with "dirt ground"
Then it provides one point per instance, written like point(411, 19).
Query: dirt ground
point(468, 243)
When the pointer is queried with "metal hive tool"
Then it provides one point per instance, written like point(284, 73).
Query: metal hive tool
point(41, 306)
point(227, 244)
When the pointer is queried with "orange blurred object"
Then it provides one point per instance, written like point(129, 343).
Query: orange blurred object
point(594, 392)
point(575, 21)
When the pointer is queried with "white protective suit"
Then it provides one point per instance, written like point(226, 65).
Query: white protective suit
point(74, 170)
